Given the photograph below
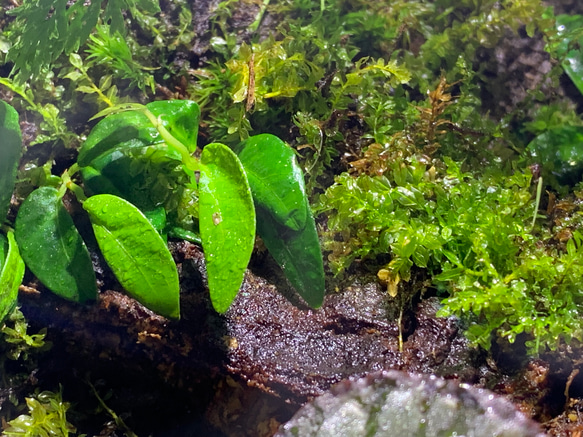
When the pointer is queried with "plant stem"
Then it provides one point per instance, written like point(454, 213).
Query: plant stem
point(400, 321)
point(539, 189)
point(69, 184)
point(118, 420)
point(255, 25)
point(188, 160)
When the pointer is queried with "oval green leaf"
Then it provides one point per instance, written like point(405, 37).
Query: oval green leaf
point(11, 274)
point(284, 219)
point(52, 248)
point(298, 253)
point(10, 153)
point(227, 222)
point(136, 253)
point(276, 179)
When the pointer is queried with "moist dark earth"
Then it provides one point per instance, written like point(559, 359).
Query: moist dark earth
point(247, 372)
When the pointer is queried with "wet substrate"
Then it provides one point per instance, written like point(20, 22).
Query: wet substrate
point(246, 372)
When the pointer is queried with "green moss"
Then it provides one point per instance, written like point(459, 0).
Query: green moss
point(474, 236)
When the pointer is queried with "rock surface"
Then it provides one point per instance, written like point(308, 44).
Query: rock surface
point(398, 404)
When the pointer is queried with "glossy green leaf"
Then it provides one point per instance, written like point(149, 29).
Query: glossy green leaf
point(117, 133)
point(298, 253)
point(284, 219)
point(560, 150)
point(157, 218)
point(10, 153)
point(571, 47)
point(227, 222)
point(52, 247)
point(180, 118)
point(11, 274)
point(109, 167)
point(131, 129)
point(184, 234)
point(275, 178)
point(136, 253)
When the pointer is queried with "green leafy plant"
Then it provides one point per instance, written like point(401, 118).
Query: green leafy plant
point(113, 52)
point(53, 123)
point(18, 343)
point(49, 29)
point(47, 416)
point(226, 215)
point(138, 166)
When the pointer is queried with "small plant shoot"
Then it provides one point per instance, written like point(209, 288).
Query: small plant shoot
point(226, 211)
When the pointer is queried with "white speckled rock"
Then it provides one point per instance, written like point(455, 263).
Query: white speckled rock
point(394, 403)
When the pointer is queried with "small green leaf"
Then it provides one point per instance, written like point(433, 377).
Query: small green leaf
point(52, 247)
point(86, 89)
point(10, 153)
point(227, 222)
point(11, 274)
point(157, 218)
point(276, 180)
point(136, 253)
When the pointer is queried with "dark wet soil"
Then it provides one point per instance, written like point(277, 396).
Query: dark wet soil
point(245, 373)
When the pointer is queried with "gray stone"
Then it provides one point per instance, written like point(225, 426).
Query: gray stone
point(394, 403)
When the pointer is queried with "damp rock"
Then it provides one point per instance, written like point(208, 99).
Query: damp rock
point(394, 403)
